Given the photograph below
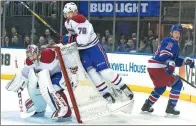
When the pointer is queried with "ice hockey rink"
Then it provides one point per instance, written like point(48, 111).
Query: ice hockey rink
point(10, 113)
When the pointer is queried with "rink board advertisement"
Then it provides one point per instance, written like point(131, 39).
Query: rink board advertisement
point(132, 68)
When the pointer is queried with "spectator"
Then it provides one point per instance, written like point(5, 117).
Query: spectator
point(110, 44)
point(41, 42)
point(151, 41)
point(26, 41)
point(131, 45)
point(34, 38)
point(6, 42)
point(51, 42)
point(123, 46)
point(188, 47)
point(107, 34)
point(16, 42)
point(144, 48)
point(13, 32)
point(99, 36)
point(47, 35)
point(104, 43)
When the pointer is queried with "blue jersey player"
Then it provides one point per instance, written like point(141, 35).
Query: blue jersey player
point(92, 54)
point(161, 68)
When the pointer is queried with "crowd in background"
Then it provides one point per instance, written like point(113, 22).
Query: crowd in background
point(148, 43)
point(13, 38)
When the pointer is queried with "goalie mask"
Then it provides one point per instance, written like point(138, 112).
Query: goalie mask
point(32, 52)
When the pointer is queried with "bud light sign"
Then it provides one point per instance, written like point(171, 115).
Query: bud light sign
point(122, 8)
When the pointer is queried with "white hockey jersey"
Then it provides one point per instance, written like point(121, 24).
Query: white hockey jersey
point(47, 61)
point(81, 27)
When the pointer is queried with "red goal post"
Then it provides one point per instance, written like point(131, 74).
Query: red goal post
point(68, 85)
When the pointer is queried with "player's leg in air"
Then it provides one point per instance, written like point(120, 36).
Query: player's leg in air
point(96, 64)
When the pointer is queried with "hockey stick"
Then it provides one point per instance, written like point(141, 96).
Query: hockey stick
point(43, 21)
point(185, 80)
point(22, 113)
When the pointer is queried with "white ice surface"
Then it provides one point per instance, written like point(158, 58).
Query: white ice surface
point(10, 113)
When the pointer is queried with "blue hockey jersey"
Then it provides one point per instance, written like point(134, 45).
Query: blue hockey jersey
point(168, 50)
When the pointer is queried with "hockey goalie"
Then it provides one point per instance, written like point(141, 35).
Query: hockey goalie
point(43, 78)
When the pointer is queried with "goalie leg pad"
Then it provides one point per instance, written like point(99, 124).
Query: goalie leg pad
point(43, 79)
point(34, 93)
point(61, 100)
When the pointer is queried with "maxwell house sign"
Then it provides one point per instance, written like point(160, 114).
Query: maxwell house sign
point(122, 8)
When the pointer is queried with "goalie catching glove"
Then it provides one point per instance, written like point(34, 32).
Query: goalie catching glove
point(19, 82)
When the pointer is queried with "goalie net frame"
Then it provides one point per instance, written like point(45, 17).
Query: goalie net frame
point(69, 88)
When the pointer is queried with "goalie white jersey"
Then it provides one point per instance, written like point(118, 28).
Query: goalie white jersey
point(47, 61)
point(81, 27)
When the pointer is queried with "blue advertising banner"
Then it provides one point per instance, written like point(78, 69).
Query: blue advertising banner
point(123, 8)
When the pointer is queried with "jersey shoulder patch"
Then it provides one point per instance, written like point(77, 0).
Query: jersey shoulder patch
point(79, 18)
point(28, 62)
point(47, 56)
point(169, 46)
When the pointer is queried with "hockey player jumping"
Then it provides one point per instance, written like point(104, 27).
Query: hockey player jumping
point(92, 54)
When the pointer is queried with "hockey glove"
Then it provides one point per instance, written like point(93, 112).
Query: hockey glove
point(72, 38)
point(170, 67)
point(190, 62)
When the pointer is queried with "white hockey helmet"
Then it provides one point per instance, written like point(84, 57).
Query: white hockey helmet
point(31, 49)
point(70, 7)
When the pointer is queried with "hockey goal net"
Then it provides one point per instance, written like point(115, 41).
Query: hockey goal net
point(84, 98)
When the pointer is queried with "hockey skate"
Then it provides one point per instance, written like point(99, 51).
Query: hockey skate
point(171, 109)
point(147, 107)
point(127, 91)
point(109, 98)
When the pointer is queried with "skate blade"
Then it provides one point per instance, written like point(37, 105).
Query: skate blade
point(145, 112)
point(171, 115)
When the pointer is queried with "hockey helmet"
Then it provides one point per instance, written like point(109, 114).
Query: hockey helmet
point(71, 6)
point(31, 49)
point(176, 27)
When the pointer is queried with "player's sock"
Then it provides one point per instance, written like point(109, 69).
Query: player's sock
point(173, 98)
point(155, 94)
point(115, 79)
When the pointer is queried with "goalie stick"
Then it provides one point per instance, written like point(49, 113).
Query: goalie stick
point(20, 101)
